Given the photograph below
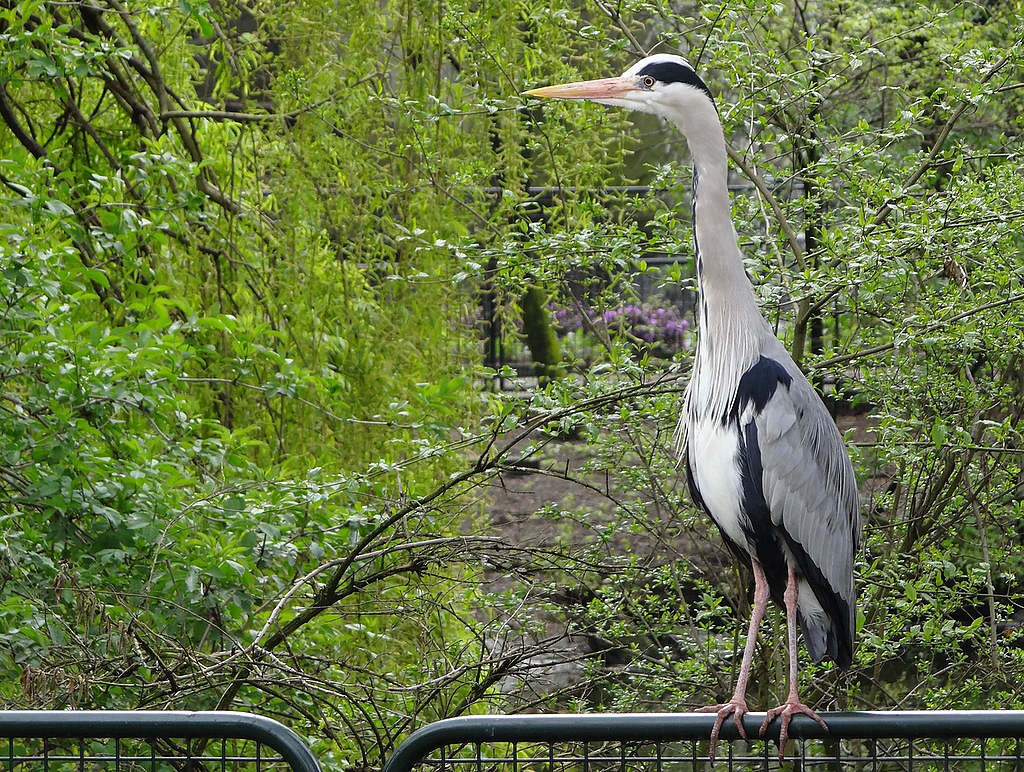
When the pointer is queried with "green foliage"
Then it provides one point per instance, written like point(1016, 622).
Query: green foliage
point(246, 452)
point(540, 335)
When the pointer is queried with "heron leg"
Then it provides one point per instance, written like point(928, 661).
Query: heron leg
point(792, 705)
point(737, 705)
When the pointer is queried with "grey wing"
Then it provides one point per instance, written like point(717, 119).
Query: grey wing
point(810, 487)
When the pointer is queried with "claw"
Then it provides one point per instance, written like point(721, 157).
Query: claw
point(785, 712)
point(735, 708)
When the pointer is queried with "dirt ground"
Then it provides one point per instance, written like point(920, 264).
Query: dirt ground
point(512, 505)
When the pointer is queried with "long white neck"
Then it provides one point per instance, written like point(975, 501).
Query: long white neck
point(719, 262)
point(731, 327)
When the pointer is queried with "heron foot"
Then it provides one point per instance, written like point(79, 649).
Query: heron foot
point(785, 712)
point(736, 708)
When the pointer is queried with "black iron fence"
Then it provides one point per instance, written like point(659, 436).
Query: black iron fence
point(150, 741)
point(876, 741)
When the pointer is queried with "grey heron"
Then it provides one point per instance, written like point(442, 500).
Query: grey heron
point(763, 456)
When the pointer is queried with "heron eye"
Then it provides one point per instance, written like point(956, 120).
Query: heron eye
point(648, 81)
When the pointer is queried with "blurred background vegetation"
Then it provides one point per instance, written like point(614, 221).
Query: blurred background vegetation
point(266, 265)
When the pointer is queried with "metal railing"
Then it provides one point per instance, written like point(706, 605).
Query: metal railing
point(160, 741)
point(877, 741)
point(150, 741)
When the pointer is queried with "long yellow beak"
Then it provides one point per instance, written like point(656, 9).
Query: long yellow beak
point(603, 88)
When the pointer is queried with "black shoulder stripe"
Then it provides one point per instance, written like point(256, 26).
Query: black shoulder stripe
point(758, 384)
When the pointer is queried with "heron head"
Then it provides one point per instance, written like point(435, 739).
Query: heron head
point(661, 84)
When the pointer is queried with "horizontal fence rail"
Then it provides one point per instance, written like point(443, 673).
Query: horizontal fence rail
point(150, 741)
point(877, 741)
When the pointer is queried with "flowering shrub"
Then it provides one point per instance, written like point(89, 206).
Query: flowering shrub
point(664, 329)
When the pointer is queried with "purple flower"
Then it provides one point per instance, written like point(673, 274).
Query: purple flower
point(664, 328)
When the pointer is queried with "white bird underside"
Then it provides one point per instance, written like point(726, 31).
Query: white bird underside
point(805, 508)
